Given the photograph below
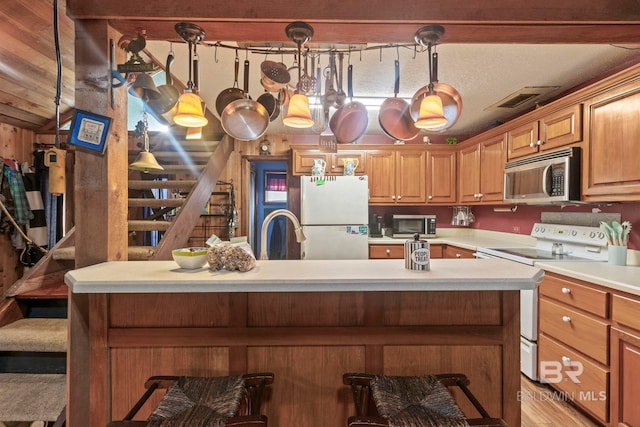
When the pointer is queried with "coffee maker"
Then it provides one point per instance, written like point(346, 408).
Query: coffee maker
point(375, 225)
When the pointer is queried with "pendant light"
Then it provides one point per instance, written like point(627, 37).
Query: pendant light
point(431, 114)
point(190, 113)
point(145, 161)
point(299, 112)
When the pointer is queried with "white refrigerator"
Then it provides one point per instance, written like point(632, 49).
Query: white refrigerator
point(334, 215)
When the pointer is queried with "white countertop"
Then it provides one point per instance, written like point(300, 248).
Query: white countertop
point(305, 276)
point(625, 279)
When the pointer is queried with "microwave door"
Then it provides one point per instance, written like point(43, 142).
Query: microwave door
point(524, 185)
point(546, 181)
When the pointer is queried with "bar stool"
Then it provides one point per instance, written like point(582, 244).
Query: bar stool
point(227, 401)
point(412, 401)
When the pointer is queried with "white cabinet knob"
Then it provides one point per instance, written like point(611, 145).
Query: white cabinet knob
point(566, 290)
point(565, 360)
point(388, 251)
point(540, 142)
point(458, 255)
point(399, 197)
point(430, 197)
point(393, 197)
point(333, 166)
point(566, 319)
point(532, 144)
point(480, 195)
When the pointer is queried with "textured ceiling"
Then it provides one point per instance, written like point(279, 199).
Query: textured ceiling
point(483, 74)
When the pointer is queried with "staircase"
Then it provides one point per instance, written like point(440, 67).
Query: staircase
point(33, 324)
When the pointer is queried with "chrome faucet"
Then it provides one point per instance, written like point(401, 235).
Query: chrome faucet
point(265, 225)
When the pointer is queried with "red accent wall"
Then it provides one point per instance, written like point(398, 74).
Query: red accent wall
point(521, 221)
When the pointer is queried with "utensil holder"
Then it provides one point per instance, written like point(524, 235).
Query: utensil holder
point(617, 255)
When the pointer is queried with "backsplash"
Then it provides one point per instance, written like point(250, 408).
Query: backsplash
point(521, 221)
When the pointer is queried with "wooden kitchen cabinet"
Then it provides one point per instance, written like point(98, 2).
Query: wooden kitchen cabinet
point(441, 175)
point(397, 176)
point(625, 361)
point(573, 342)
point(611, 151)
point(457, 252)
point(481, 170)
point(396, 251)
point(303, 161)
point(554, 130)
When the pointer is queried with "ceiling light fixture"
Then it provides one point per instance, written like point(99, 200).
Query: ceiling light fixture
point(431, 114)
point(190, 113)
point(145, 161)
point(299, 112)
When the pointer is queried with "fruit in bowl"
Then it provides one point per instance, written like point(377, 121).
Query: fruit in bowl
point(190, 258)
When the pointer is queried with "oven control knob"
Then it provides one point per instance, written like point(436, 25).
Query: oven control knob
point(600, 235)
point(574, 233)
point(592, 235)
point(566, 319)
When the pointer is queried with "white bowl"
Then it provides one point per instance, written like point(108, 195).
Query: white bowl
point(190, 258)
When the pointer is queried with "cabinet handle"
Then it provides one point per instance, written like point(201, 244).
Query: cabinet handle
point(458, 255)
point(566, 319)
point(565, 360)
point(532, 144)
point(430, 197)
point(399, 197)
point(566, 290)
point(540, 142)
point(388, 251)
point(480, 195)
point(393, 197)
point(333, 166)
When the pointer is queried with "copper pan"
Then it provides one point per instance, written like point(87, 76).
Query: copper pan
point(350, 121)
point(451, 101)
point(395, 115)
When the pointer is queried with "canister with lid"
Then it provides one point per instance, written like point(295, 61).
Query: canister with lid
point(417, 254)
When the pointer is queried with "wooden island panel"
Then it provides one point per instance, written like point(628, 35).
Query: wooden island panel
point(309, 339)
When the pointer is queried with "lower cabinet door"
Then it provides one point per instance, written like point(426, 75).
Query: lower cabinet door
point(625, 380)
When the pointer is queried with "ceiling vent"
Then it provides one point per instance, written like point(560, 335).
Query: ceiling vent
point(524, 97)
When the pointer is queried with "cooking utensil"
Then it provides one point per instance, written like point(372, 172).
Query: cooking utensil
point(341, 96)
point(271, 104)
point(451, 103)
point(330, 92)
point(231, 94)
point(275, 75)
point(350, 121)
point(327, 142)
point(245, 119)
point(395, 115)
point(304, 84)
point(165, 107)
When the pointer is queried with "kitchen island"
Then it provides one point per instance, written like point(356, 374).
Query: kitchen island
point(306, 321)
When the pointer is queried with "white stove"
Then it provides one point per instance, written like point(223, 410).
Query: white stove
point(554, 243)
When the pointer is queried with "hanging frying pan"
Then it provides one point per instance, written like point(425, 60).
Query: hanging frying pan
point(230, 94)
point(395, 115)
point(350, 121)
point(245, 119)
point(271, 104)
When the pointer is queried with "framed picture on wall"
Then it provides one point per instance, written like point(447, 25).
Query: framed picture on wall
point(89, 131)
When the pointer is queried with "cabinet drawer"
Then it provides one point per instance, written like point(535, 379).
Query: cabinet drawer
point(576, 295)
point(561, 366)
point(386, 251)
point(625, 311)
point(580, 331)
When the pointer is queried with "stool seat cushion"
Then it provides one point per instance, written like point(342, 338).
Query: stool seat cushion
point(415, 401)
point(199, 402)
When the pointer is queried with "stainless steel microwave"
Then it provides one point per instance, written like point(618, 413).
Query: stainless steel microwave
point(406, 226)
point(544, 179)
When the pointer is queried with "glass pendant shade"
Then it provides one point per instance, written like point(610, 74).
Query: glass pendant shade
point(299, 113)
point(190, 113)
point(431, 113)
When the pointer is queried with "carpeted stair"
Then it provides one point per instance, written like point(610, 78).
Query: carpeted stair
point(32, 367)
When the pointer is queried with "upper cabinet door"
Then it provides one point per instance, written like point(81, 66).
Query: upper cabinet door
point(441, 176)
point(563, 127)
point(492, 160)
point(411, 174)
point(523, 140)
point(380, 166)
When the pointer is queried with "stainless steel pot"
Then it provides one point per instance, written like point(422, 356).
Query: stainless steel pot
point(231, 94)
point(245, 119)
